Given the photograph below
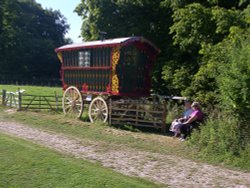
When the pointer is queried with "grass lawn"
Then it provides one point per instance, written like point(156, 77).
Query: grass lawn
point(110, 137)
point(33, 90)
point(24, 164)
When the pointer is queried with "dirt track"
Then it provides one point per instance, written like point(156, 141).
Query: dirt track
point(170, 170)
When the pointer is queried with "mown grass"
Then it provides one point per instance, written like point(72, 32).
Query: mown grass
point(24, 164)
point(33, 90)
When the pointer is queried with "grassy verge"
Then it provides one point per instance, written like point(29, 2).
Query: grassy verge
point(24, 164)
point(110, 137)
point(59, 123)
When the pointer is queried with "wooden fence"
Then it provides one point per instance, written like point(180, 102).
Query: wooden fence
point(138, 113)
point(23, 101)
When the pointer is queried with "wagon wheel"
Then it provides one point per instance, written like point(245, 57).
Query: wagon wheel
point(98, 110)
point(72, 103)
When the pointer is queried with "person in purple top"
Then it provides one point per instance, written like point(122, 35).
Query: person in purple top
point(195, 117)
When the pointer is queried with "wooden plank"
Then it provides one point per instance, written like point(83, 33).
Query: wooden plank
point(164, 115)
point(134, 110)
point(141, 121)
point(51, 96)
point(39, 108)
point(110, 111)
point(31, 102)
point(133, 124)
point(39, 100)
point(3, 97)
point(42, 104)
point(124, 115)
point(47, 102)
point(57, 103)
point(140, 106)
point(134, 116)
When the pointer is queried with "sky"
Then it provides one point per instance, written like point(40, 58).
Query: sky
point(66, 7)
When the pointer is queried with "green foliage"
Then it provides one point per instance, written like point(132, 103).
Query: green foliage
point(245, 156)
point(191, 35)
point(192, 26)
point(234, 83)
point(219, 135)
point(223, 139)
point(204, 31)
point(123, 18)
point(29, 34)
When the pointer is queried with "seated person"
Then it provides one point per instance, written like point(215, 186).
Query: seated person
point(175, 124)
point(191, 122)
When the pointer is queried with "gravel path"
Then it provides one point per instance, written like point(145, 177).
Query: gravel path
point(166, 169)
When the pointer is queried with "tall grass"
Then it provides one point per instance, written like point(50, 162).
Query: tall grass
point(224, 139)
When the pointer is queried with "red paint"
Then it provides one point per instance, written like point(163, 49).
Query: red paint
point(144, 46)
point(85, 68)
point(85, 88)
point(111, 70)
point(108, 88)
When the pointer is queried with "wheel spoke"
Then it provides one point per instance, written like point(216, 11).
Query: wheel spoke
point(98, 110)
point(103, 109)
point(72, 102)
point(66, 108)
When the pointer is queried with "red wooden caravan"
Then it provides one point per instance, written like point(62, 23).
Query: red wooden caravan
point(99, 70)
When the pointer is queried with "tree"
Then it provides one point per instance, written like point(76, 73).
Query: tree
point(191, 34)
point(127, 18)
point(200, 29)
point(28, 36)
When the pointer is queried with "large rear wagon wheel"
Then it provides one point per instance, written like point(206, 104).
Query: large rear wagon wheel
point(98, 110)
point(72, 103)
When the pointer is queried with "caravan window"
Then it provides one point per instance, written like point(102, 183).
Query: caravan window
point(84, 58)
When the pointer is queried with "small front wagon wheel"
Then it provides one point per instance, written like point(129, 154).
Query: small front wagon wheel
point(72, 103)
point(98, 110)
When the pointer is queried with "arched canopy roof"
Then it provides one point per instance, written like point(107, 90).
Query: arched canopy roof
point(107, 43)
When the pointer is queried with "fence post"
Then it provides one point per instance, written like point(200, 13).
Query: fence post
point(4, 97)
point(110, 111)
point(56, 101)
point(19, 100)
point(163, 127)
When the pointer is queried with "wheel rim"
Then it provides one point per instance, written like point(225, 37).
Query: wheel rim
point(98, 110)
point(72, 102)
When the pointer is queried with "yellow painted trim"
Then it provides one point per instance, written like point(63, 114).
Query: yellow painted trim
point(59, 55)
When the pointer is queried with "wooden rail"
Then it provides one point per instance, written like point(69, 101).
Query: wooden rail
point(23, 101)
point(138, 113)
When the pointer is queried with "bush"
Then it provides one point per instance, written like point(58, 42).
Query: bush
point(245, 156)
point(221, 139)
point(218, 135)
point(234, 81)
